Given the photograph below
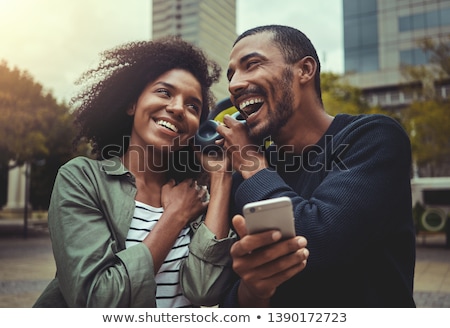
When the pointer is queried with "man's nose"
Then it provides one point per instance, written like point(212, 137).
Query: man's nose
point(237, 84)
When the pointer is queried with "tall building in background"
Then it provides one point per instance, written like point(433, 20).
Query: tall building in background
point(381, 35)
point(209, 24)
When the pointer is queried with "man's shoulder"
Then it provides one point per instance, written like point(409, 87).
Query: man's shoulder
point(366, 118)
point(370, 121)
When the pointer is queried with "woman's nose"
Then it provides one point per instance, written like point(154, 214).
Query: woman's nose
point(176, 106)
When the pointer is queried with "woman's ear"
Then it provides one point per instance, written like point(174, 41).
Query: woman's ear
point(132, 110)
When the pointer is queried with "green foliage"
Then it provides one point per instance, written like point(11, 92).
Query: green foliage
point(427, 119)
point(436, 71)
point(428, 125)
point(439, 54)
point(34, 128)
point(339, 96)
point(27, 117)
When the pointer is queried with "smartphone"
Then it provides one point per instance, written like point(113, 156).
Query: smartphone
point(270, 214)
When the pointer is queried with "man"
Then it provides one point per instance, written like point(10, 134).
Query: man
point(347, 176)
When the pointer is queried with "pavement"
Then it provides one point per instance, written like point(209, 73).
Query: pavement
point(27, 266)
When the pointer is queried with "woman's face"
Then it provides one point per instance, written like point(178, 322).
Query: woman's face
point(167, 113)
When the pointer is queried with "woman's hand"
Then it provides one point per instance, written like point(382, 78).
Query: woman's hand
point(184, 201)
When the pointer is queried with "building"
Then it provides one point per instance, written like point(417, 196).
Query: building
point(381, 35)
point(209, 24)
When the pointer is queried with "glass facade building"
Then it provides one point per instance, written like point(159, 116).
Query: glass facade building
point(381, 35)
point(209, 24)
point(361, 35)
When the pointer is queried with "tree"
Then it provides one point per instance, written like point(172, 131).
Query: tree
point(340, 97)
point(427, 118)
point(428, 125)
point(34, 128)
point(24, 110)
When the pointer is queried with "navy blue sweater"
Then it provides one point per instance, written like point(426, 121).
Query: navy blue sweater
point(352, 201)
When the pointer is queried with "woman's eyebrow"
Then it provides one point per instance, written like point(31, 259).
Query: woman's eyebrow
point(171, 86)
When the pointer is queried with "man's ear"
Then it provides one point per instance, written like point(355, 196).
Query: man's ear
point(306, 69)
point(132, 110)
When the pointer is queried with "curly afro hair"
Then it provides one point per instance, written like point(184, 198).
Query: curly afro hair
point(119, 79)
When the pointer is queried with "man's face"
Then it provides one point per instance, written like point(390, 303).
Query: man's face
point(260, 83)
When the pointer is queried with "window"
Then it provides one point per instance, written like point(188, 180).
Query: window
point(414, 57)
point(361, 36)
point(444, 16)
point(404, 23)
point(420, 21)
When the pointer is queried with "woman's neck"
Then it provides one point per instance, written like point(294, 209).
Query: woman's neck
point(150, 174)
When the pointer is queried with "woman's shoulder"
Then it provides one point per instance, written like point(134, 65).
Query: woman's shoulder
point(80, 162)
point(110, 166)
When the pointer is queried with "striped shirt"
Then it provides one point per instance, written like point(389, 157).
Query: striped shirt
point(168, 289)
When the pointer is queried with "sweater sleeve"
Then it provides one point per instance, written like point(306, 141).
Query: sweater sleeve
point(359, 187)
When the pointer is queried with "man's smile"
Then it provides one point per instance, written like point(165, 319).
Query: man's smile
point(250, 106)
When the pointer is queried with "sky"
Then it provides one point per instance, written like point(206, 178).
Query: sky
point(55, 41)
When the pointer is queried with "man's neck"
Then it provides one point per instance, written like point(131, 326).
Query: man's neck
point(303, 131)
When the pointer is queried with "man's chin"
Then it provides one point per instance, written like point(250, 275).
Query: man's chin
point(258, 134)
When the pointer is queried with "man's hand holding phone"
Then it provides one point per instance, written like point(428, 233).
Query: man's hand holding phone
point(264, 260)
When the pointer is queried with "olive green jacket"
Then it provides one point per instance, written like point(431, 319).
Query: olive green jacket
point(90, 212)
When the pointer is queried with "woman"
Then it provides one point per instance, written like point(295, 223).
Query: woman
point(125, 226)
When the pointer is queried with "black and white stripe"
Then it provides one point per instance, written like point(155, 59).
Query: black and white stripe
point(168, 289)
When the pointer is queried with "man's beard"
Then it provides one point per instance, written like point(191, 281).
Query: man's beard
point(276, 117)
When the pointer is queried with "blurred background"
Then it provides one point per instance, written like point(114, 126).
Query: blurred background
point(377, 56)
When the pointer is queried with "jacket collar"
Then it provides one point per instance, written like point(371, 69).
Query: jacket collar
point(114, 166)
